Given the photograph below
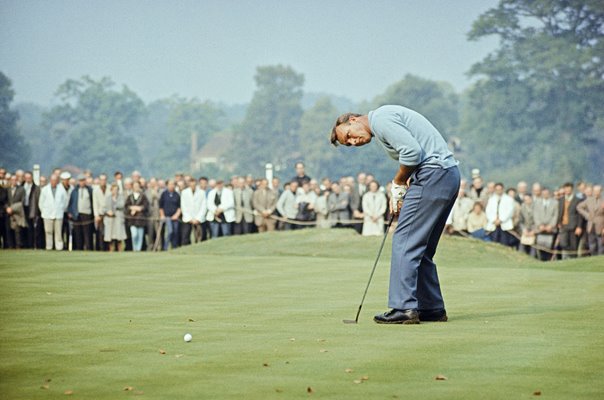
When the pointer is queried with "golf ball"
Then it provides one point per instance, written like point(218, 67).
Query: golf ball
point(188, 337)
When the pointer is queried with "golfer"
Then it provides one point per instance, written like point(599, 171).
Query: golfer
point(428, 180)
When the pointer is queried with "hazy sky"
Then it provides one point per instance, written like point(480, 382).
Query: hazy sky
point(210, 48)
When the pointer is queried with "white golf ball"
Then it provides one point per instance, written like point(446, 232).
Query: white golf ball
point(188, 337)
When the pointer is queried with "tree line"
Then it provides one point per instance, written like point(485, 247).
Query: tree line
point(535, 112)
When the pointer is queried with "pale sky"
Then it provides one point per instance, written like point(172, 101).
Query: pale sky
point(210, 48)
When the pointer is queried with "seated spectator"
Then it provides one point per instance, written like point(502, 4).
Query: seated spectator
point(374, 208)
point(477, 222)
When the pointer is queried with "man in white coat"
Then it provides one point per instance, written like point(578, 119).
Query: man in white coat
point(52, 203)
point(193, 207)
point(221, 210)
point(500, 214)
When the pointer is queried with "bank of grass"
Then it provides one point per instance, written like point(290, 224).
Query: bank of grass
point(266, 311)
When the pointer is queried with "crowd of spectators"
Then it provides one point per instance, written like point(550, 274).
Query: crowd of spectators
point(87, 212)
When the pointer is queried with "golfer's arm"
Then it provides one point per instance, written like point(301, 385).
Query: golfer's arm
point(403, 174)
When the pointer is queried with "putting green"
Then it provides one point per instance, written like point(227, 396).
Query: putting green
point(266, 311)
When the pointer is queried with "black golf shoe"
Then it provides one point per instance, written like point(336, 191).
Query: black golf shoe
point(439, 315)
point(398, 317)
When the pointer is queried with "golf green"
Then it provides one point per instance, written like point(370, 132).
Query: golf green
point(266, 311)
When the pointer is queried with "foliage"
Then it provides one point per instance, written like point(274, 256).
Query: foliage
point(538, 104)
point(92, 124)
point(14, 150)
point(269, 131)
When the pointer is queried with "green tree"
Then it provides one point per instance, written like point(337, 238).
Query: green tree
point(92, 123)
point(188, 120)
point(538, 105)
point(14, 151)
point(269, 131)
point(30, 125)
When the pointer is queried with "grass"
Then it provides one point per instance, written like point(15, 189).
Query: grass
point(266, 311)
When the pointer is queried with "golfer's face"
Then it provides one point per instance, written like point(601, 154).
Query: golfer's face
point(352, 133)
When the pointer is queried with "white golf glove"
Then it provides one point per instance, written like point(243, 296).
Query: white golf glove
point(397, 192)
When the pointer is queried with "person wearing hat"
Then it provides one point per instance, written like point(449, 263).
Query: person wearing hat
point(80, 212)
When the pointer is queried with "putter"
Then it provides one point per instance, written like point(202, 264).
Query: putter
point(356, 320)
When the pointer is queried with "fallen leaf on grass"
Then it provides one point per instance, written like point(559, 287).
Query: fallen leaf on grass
point(309, 390)
point(357, 381)
point(348, 370)
point(321, 340)
point(45, 387)
point(265, 364)
point(365, 378)
point(440, 378)
point(279, 390)
point(179, 355)
point(128, 388)
point(48, 379)
point(191, 320)
point(161, 351)
point(68, 392)
point(323, 351)
point(537, 393)
point(292, 339)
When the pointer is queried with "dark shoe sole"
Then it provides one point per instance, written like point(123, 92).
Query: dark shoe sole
point(444, 318)
point(414, 321)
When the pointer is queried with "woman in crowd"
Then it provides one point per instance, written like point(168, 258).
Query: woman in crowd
point(374, 207)
point(137, 207)
point(115, 229)
point(477, 222)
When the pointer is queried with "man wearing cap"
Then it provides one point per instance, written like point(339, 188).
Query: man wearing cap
point(428, 180)
point(80, 212)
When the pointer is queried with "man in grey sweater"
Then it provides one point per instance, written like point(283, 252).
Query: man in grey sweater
point(428, 180)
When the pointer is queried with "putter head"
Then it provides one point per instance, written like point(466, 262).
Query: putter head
point(350, 321)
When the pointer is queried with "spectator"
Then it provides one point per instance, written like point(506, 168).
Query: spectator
point(536, 191)
point(592, 210)
point(321, 208)
point(169, 212)
point(301, 177)
point(527, 224)
point(99, 195)
point(339, 206)
point(569, 221)
point(477, 191)
point(67, 228)
point(33, 232)
point(205, 225)
point(458, 218)
point(137, 207)
point(500, 213)
point(80, 211)
point(221, 210)
point(152, 193)
point(194, 209)
point(264, 202)
point(113, 218)
point(374, 207)
point(545, 215)
point(244, 218)
point(53, 200)
point(477, 222)
point(305, 203)
point(286, 205)
point(521, 191)
point(3, 206)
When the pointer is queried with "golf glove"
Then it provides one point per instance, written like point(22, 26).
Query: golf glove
point(397, 192)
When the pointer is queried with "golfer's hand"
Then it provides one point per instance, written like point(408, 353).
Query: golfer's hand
point(397, 192)
point(395, 208)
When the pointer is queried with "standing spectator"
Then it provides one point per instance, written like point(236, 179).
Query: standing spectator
point(221, 210)
point(67, 229)
point(136, 208)
point(126, 192)
point(545, 215)
point(28, 203)
point(3, 206)
point(322, 209)
point(374, 207)
point(264, 202)
point(205, 225)
point(80, 211)
point(478, 192)
point(16, 222)
point(53, 199)
point(536, 191)
point(592, 210)
point(169, 212)
point(477, 222)
point(113, 218)
point(194, 210)
point(286, 205)
point(458, 218)
point(500, 213)
point(521, 191)
point(244, 218)
point(305, 203)
point(569, 221)
point(99, 194)
point(339, 206)
point(152, 194)
point(301, 177)
point(526, 224)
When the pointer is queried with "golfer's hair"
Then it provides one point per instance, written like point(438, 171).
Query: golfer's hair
point(342, 119)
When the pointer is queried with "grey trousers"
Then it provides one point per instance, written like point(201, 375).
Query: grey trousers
point(414, 281)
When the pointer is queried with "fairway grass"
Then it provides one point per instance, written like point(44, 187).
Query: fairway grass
point(266, 311)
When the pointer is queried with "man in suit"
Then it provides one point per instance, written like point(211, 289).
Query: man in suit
point(264, 202)
point(570, 222)
point(16, 221)
point(286, 205)
point(194, 209)
point(545, 217)
point(338, 205)
point(33, 233)
point(99, 194)
point(81, 212)
point(592, 210)
point(221, 210)
point(244, 218)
